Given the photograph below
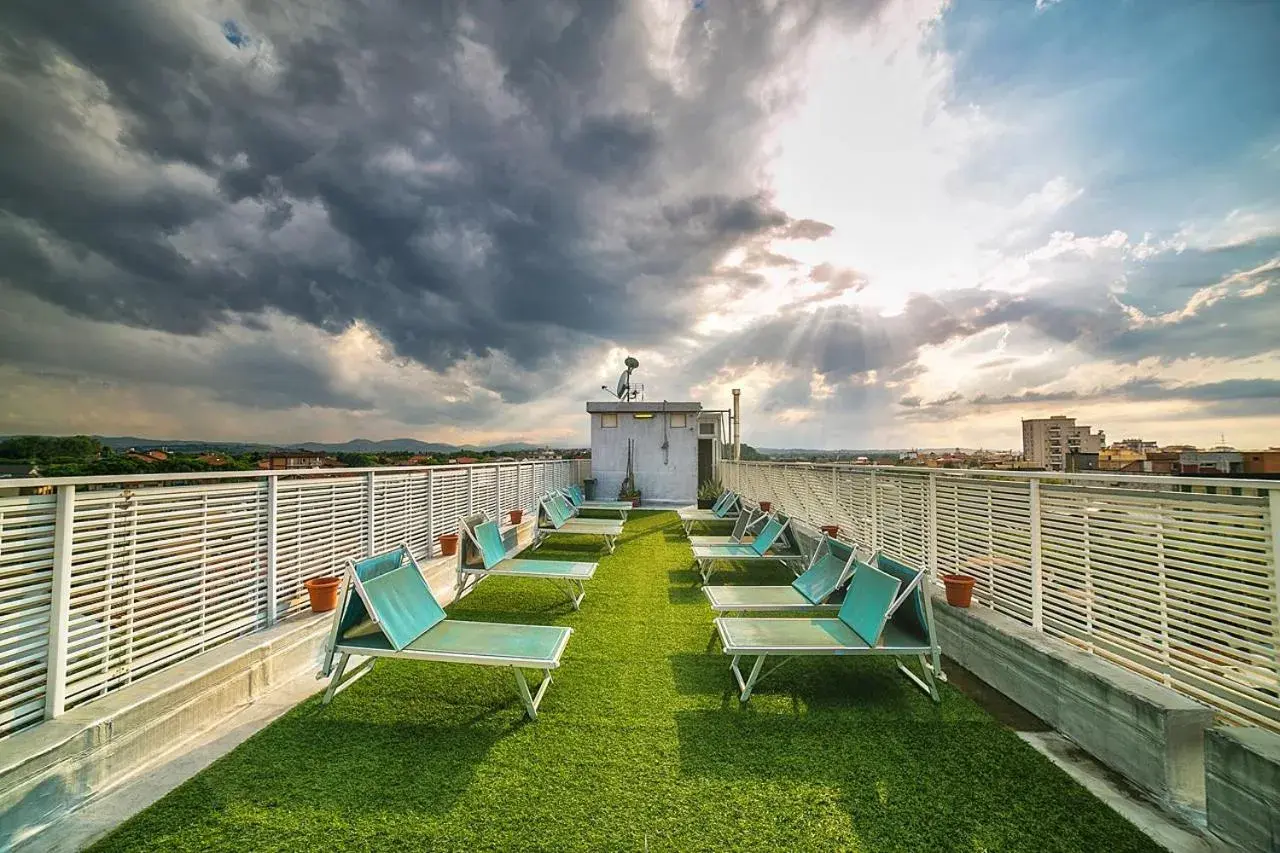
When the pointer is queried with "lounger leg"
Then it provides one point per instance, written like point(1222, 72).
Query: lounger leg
point(926, 683)
point(337, 683)
point(531, 701)
point(572, 589)
point(751, 679)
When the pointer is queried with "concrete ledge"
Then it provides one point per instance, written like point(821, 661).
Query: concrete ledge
point(51, 769)
point(1148, 733)
point(1242, 787)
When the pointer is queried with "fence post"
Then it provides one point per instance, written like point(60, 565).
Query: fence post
point(369, 532)
point(273, 552)
point(931, 528)
point(1037, 560)
point(431, 523)
point(873, 504)
point(1273, 504)
point(471, 489)
point(55, 688)
point(497, 498)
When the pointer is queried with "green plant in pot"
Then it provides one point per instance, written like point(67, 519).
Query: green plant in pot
point(628, 492)
point(708, 492)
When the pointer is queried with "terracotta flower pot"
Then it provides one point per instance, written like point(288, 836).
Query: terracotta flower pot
point(832, 530)
point(323, 593)
point(448, 544)
point(766, 506)
point(959, 590)
point(516, 515)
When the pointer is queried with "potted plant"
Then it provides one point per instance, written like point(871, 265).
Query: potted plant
point(516, 516)
point(708, 492)
point(832, 530)
point(628, 492)
point(959, 589)
point(448, 544)
point(323, 593)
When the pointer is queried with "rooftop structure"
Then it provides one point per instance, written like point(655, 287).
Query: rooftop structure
point(669, 448)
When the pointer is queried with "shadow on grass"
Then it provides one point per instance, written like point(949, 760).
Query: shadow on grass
point(685, 590)
point(873, 687)
point(906, 784)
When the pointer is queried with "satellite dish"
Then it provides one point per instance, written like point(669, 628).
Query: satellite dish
point(623, 385)
point(631, 363)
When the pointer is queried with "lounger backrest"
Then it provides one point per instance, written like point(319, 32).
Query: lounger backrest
point(866, 604)
point(740, 526)
point(563, 508)
point(764, 541)
point(722, 507)
point(720, 501)
point(821, 579)
point(574, 493)
point(396, 597)
point(911, 614)
point(553, 511)
point(491, 547)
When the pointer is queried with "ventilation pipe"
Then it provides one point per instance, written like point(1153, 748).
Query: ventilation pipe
point(737, 424)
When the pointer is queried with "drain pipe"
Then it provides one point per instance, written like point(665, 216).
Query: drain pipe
point(737, 425)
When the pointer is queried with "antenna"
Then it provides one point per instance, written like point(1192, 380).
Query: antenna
point(625, 392)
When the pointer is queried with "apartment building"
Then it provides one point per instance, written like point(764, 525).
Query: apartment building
point(1046, 442)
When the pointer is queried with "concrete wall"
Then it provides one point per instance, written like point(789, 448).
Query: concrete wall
point(1242, 787)
point(1148, 733)
point(674, 478)
point(50, 769)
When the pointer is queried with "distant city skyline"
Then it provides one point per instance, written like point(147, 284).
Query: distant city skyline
point(892, 224)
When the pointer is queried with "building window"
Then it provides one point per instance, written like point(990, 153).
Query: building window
point(679, 420)
point(707, 429)
point(608, 420)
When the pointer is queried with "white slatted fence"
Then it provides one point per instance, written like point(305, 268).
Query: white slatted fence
point(103, 583)
point(1173, 578)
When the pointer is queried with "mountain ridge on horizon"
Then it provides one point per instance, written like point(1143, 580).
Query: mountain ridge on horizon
point(355, 445)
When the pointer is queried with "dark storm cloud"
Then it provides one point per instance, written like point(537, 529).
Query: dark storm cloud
point(1228, 398)
point(468, 178)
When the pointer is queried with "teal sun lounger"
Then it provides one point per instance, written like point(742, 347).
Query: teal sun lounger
point(579, 501)
point(886, 611)
point(556, 516)
point(832, 564)
point(708, 557)
point(726, 508)
point(387, 610)
point(746, 523)
point(483, 554)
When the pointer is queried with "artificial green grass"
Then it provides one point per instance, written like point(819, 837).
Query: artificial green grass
point(640, 741)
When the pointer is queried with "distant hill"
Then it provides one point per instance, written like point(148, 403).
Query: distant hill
point(356, 445)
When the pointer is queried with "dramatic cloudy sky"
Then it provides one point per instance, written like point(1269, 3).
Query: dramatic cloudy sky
point(889, 223)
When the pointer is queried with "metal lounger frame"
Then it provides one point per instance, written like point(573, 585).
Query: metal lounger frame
point(824, 547)
point(930, 655)
point(687, 521)
point(707, 565)
point(541, 533)
point(468, 576)
point(340, 679)
point(586, 504)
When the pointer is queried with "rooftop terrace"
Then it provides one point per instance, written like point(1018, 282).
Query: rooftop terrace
point(1131, 614)
point(641, 740)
